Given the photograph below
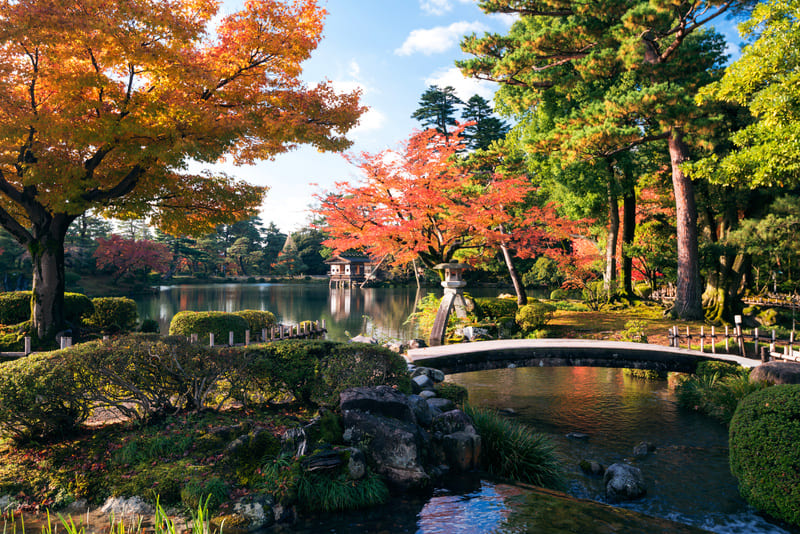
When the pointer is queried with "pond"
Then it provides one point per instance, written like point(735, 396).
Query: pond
point(378, 312)
point(688, 479)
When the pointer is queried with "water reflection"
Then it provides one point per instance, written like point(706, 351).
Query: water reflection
point(377, 312)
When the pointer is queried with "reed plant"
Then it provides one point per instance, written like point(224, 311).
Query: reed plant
point(162, 524)
point(513, 450)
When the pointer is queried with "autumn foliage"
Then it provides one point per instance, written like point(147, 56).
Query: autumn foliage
point(418, 202)
point(132, 257)
point(103, 105)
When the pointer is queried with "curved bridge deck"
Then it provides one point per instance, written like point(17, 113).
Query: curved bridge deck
point(482, 355)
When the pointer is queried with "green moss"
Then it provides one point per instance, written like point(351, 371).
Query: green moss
point(764, 455)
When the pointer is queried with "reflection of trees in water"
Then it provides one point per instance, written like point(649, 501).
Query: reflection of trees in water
point(375, 311)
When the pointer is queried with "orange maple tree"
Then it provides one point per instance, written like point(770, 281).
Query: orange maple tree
point(421, 202)
point(103, 106)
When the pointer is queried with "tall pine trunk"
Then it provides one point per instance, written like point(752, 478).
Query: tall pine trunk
point(688, 305)
point(611, 239)
point(628, 233)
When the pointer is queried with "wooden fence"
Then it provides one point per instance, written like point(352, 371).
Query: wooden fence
point(765, 345)
point(304, 330)
point(772, 300)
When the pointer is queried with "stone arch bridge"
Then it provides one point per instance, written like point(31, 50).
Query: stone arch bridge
point(483, 355)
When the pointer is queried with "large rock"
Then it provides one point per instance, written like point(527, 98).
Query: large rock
point(623, 482)
point(435, 374)
point(422, 410)
point(452, 421)
point(251, 513)
point(379, 400)
point(777, 373)
point(462, 450)
point(394, 448)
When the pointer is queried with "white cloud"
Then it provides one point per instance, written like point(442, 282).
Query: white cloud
point(465, 87)
point(440, 7)
point(438, 39)
point(372, 120)
point(507, 19)
point(354, 69)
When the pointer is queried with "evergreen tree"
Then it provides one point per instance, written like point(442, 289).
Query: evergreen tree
point(635, 66)
point(487, 127)
point(437, 108)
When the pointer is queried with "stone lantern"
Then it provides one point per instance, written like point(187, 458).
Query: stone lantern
point(453, 298)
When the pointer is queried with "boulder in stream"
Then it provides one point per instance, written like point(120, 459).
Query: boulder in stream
point(623, 482)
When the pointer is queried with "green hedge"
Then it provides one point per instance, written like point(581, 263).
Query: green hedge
point(113, 314)
point(15, 307)
point(186, 323)
point(257, 320)
point(315, 372)
point(39, 397)
point(77, 307)
point(764, 452)
point(494, 308)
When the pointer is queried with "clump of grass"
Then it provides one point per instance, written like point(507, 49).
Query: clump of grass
point(512, 450)
point(716, 389)
point(333, 494)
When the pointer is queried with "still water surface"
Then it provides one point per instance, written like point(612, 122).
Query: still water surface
point(688, 478)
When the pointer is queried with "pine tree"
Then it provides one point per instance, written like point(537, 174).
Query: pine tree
point(487, 127)
point(437, 108)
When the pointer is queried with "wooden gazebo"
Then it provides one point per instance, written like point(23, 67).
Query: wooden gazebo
point(348, 270)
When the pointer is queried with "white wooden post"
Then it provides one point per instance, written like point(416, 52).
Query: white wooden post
point(211, 340)
point(702, 338)
point(755, 340)
point(246, 338)
point(727, 348)
point(230, 339)
point(27, 345)
point(713, 341)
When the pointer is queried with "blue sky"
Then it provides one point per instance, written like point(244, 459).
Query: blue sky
point(392, 50)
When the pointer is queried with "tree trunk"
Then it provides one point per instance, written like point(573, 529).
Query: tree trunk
point(687, 300)
point(721, 298)
point(611, 239)
point(47, 256)
point(519, 288)
point(628, 232)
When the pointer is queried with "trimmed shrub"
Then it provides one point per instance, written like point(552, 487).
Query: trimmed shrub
point(494, 308)
point(315, 372)
point(76, 307)
point(39, 398)
point(113, 314)
point(143, 375)
point(764, 454)
point(534, 316)
point(218, 323)
point(15, 307)
point(511, 449)
point(257, 320)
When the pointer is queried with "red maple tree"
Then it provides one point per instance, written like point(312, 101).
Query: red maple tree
point(420, 202)
point(131, 257)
